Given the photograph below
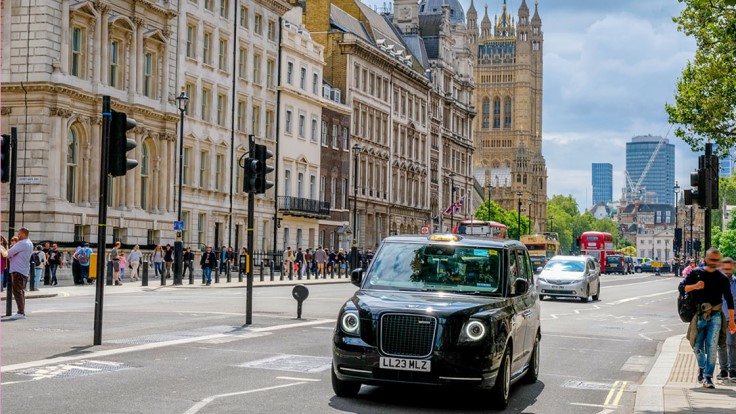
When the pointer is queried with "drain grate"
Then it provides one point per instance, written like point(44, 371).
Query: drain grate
point(76, 369)
point(292, 363)
point(172, 336)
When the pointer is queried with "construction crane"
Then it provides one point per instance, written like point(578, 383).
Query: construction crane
point(635, 189)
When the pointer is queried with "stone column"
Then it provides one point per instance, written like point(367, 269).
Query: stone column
point(56, 151)
point(136, 52)
point(170, 138)
point(94, 188)
point(65, 26)
point(97, 50)
point(139, 66)
point(161, 173)
point(164, 87)
point(105, 50)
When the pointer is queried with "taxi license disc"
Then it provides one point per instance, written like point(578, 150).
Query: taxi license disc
point(404, 364)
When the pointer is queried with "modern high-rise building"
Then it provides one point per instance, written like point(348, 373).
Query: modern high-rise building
point(650, 165)
point(602, 183)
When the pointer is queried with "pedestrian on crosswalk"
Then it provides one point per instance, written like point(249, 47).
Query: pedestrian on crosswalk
point(20, 268)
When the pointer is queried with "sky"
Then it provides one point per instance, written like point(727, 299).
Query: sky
point(609, 68)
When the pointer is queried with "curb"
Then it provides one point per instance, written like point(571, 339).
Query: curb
point(41, 296)
point(650, 395)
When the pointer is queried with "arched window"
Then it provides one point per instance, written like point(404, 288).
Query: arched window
point(486, 113)
point(145, 160)
point(507, 113)
point(496, 113)
point(72, 163)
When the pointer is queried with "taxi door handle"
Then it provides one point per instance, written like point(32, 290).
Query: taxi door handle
point(527, 313)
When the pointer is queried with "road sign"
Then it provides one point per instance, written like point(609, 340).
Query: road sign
point(425, 230)
point(178, 225)
point(29, 180)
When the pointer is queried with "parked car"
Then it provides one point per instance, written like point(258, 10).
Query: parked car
point(442, 310)
point(615, 263)
point(570, 277)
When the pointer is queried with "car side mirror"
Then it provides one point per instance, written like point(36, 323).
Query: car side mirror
point(539, 269)
point(356, 277)
point(521, 286)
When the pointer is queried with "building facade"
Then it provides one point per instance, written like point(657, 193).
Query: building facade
point(602, 174)
point(650, 166)
point(508, 95)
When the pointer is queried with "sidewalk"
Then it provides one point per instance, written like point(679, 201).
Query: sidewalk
point(671, 386)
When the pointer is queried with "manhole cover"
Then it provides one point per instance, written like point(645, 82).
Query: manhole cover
point(587, 385)
point(292, 363)
point(73, 369)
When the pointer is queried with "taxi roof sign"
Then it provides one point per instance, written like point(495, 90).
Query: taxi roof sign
point(444, 237)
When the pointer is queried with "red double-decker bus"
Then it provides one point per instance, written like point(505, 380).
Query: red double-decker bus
point(597, 244)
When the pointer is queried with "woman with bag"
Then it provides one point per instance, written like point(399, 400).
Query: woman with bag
point(134, 259)
point(158, 259)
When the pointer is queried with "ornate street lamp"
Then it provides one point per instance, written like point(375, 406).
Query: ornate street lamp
point(182, 101)
point(452, 200)
point(518, 214)
point(354, 248)
point(490, 188)
point(676, 189)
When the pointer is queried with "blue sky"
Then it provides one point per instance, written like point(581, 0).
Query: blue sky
point(609, 68)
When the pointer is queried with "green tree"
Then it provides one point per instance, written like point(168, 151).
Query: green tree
point(727, 243)
point(705, 98)
point(509, 218)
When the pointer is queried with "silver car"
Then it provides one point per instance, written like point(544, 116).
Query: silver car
point(570, 277)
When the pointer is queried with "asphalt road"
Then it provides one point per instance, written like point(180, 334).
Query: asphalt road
point(188, 351)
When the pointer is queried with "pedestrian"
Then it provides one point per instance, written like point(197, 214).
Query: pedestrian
point(289, 260)
point(47, 268)
point(115, 258)
point(123, 263)
point(331, 261)
point(158, 259)
point(231, 257)
point(689, 268)
point(208, 262)
point(710, 287)
point(188, 262)
point(727, 349)
point(299, 262)
point(54, 263)
point(77, 268)
point(223, 259)
point(168, 260)
point(38, 264)
point(135, 257)
point(320, 256)
point(83, 255)
point(3, 261)
point(20, 267)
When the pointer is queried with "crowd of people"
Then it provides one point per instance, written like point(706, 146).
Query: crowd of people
point(321, 262)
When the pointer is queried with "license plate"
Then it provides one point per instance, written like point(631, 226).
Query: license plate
point(404, 364)
point(557, 287)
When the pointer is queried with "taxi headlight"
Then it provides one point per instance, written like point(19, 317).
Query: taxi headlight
point(350, 323)
point(473, 330)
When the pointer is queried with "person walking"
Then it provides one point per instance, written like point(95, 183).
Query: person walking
point(727, 350)
point(115, 258)
point(3, 261)
point(188, 259)
point(47, 268)
point(709, 287)
point(320, 256)
point(123, 262)
point(168, 259)
point(158, 259)
point(208, 262)
point(689, 268)
point(299, 262)
point(54, 263)
point(38, 263)
point(289, 260)
point(135, 257)
point(76, 268)
point(83, 255)
point(20, 267)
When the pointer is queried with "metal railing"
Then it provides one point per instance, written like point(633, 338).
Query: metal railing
point(303, 206)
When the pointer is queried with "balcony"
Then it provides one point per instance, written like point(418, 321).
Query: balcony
point(304, 207)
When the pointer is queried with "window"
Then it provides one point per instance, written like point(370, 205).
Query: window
point(344, 198)
point(299, 187)
point(201, 225)
point(187, 166)
point(258, 24)
point(288, 121)
point(144, 176)
point(344, 138)
point(335, 135)
point(303, 78)
point(244, 16)
point(78, 44)
point(270, 65)
point(114, 64)
point(221, 109)
point(206, 104)
point(290, 73)
point(209, 4)
point(185, 233)
point(219, 171)
point(312, 182)
point(507, 113)
point(497, 113)
point(242, 59)
point(315, 83)
point(241, 116)
point(256, 120)
point(191, 40)
point(223, 8)
point(203, 168)
point(72, 161)
point(302, 122)
point(222, 57)
point(322, 181)
point(486, 113)
point(269, 123)
point(287, 183)
point(314, 130)
point(256, 68)
point(148, 74)
point(238, 177)
point(272, 30)
point(190, 93)
point(333, 189)
point(207, 48)
point(324, 133)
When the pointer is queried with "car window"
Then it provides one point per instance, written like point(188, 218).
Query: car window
point(436, 267)
point(525, 269)
point(566, 265)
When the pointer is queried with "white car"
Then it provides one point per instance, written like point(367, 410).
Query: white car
point(570, 277)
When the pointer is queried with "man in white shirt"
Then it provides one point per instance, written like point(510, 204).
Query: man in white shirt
point(20, 268)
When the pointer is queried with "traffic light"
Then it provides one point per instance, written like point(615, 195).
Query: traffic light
point(262, 154)
point(697, 246)
point(712, 183)
point(688, 246)
point(251, 169)
point(698, 181)
point(677, 244)
point(117, 161)
point(6, 158)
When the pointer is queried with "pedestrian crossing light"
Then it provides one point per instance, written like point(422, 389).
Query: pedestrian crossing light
point(5, 158)
point(262, 154)
point(117, 161)
point(252, 169)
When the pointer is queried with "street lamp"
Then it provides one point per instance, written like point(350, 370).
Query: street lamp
point(490, 188)
point(354, 248)
point(529, 215)
point(676, 188)
point(452, 200)
point(518, 214)
point(181, 101)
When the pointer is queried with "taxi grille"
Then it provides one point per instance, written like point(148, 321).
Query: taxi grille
point(407, 335)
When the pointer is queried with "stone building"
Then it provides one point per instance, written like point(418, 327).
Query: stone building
point(508, 96)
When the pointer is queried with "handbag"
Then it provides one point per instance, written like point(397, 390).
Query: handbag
point(687, 308)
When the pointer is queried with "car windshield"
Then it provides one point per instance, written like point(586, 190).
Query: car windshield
point(614, 259)
point(565, 265)
point(436, 267)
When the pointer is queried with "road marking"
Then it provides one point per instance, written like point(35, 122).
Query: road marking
point(614, 395)
point(208, 400)
point(618, 302)
point(299, 379)
point(153, 345)
point(594, 338)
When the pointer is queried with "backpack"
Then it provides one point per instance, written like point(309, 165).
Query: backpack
point(687, 307)
point(36, 259)
point(82, 257)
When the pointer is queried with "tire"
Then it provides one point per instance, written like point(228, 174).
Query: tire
point(502, 388)
point(584, 299)
point(597, 295)
point(533, 373)
point(345, 389)
point(542, 298)
point(638, 270)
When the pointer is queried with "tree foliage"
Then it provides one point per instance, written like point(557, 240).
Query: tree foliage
point(705, 97)
point(491, 211)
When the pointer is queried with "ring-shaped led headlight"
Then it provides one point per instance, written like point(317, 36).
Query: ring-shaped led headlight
point(350, 323)
point(475, 330)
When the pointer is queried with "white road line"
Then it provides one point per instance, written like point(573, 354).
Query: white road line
point(618, 302)
point(208, 400)
point(299, 379)
point(635, 284)
point(154, 345)
point(592, 338)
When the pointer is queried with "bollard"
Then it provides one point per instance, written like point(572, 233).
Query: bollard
point(332, 272)
point(241, 268)
point(163, 274)
point(300, 293)
point(217, 273)
point(191, 272)
point(144, 274)
point(108, 276)
point(291, 270)
point(272, 265)
point(308, 269)
point(227, 269)
point(261, 270)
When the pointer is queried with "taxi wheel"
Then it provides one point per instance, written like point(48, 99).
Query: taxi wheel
point(500, 392)
point(345, 389)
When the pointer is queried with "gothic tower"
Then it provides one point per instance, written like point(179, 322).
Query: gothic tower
point(508, 98)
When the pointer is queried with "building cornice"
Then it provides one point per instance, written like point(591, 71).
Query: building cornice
point(150, 6)
point(277, 6)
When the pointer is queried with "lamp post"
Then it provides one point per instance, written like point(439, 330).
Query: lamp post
point(691, 232)
point(529, 215)
point(490, 188)
point(181, 101)
point(452, 200)
point(354, 248)
point(676, 189)
point(518, 215)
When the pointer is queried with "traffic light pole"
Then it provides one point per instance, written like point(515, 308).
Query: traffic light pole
point(102, 222)
point(11, 212)
point(712, 183)
point(251, 210)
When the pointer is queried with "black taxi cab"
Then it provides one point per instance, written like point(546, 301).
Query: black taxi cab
point(441, 310)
